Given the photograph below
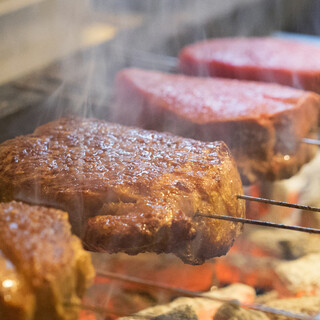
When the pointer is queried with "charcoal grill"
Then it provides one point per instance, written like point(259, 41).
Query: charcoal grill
point(46, 94)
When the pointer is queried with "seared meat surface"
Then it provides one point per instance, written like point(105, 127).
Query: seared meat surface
point(43, 267)
point(128, 189)
point(288, 62)
point(261, 123)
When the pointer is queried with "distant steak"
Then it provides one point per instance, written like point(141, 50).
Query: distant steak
point(262, 124)
point(287, 62)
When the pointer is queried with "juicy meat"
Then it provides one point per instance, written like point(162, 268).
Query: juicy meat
point(262, 124)
point(287, 62)
point(42, 265)
point(132, 190)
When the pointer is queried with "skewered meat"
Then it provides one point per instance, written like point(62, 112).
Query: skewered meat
point(43, 268)
point(287, 62)
point(139, 189)
point(262, 124)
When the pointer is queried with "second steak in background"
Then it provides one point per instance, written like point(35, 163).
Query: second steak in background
point(287, 62)
point(128, 189)
point(262, 124)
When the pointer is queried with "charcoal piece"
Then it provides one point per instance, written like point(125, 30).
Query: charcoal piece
point(179, 313)
point(231, 311)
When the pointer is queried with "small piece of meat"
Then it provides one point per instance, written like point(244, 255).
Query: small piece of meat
point(262, 124)
point(287, 62)
point(43, 267)
point(132, 190)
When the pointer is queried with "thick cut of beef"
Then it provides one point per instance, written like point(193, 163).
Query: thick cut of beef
point(132, 190)
point(43, 267)
point(287, 62)
point(262, 124)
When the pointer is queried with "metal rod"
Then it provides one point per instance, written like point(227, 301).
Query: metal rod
point(278, 203)
point(259, 223)
point(150, 284)
point(195, 294)
point(311, 141)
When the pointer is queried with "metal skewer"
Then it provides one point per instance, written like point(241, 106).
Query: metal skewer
point(311, 141)
point(259, 223)
point(278, 203)
point(188, 293)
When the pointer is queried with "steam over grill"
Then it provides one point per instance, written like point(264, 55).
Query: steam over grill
point(269, 273)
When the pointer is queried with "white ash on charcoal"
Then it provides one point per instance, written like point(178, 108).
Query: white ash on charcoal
point(305, 305)
point(307, 184)
point(179, 313)
point(258, 252)
point(204, 308)
point(303, 188)
point(266, 297)
point(310, 194)
point(284, 244)
point(298, 277)
point(230, 311)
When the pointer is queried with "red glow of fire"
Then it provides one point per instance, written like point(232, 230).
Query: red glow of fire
point(201, 278)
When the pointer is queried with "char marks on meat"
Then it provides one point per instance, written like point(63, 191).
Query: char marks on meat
point(128, 189)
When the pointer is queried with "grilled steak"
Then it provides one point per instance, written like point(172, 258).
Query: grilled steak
point(135, 190)
point(287, 62)
point(42, 266)
point(262, 124)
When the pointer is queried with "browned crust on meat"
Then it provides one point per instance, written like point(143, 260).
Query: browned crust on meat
point(277, 151)
point(141, 188)
point(48, 266)
point(162, 220)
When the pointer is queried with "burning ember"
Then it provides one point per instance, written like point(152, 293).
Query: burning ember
point(268, 268)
